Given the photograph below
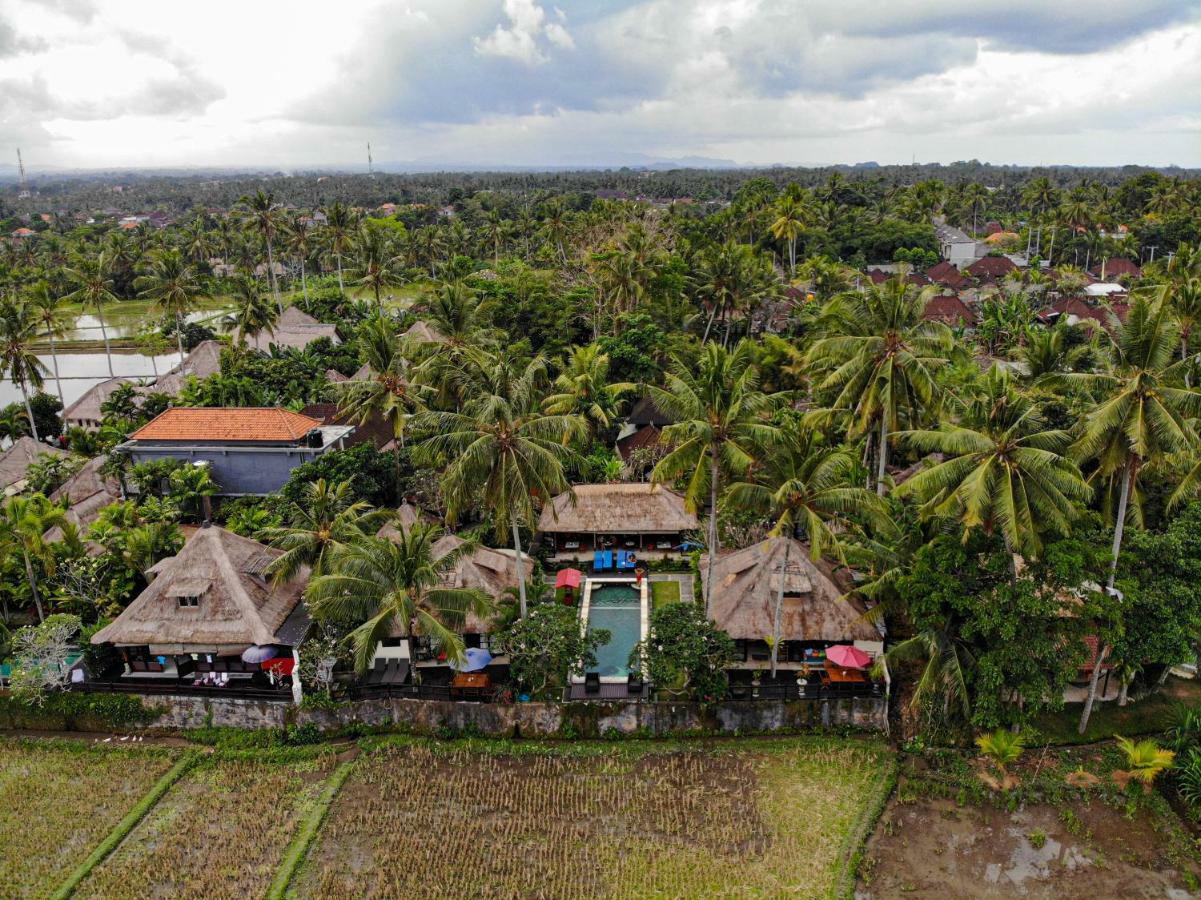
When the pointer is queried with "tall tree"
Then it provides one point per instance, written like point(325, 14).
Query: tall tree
point(787, 226)
point(721, 427)
point(18, 333)
point(174, 286)
point(502, 451)
point(263, 216)
point(340, 224)
point(46, 307)
point(327, 519)
point(23, 521)
point(92, 277)
point(583, 388)
point(253, 313)
point(385, 587)
point(878, 360)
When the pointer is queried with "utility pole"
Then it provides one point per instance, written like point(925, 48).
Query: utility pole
point(1152, 253)
point(370, 168)
point(23, 192)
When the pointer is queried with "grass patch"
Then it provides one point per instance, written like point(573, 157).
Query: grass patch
point(749, 817)
point(58, 799)
point(313, 815)
point(664, 592)
point(1153, 714)
point(221, 832)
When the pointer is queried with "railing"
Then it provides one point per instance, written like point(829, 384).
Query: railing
point(164, 688)
point(790, 690)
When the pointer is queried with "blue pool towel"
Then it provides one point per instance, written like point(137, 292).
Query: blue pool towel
point(598, 560)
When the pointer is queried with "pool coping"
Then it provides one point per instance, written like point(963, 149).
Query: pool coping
point(643, 617)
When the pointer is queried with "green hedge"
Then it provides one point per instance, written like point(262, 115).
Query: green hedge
point(69, 711)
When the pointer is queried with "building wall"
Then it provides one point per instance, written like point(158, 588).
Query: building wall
point(239, 470)
point(961, 254)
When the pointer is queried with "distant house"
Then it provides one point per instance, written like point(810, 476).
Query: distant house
point(85, 412)
point(250, 451)
point(746, 587)
point(955, 246)
point(1116, 267)
point(295, 329)
point(205, 607)
point(1077, 310)
point(376, 429)
point(423, 333)
point(950, 310)
point(946, 274)
point(203, 361)
point(645, 518)
point(16, 460)
point(990, 268)
point(21, 233)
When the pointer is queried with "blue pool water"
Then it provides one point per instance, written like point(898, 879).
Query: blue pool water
point(617, 608)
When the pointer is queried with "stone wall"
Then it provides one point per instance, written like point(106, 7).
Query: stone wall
point(563, 720)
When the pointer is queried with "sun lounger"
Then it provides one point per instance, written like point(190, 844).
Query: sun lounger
point(592, 683)
point(608, 555)
point(598, 561)
point(376, 675)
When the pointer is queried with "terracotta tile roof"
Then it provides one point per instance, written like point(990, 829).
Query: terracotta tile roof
point(225, 424)
point(1116, 266)
point(991, 267)
point(948, 308)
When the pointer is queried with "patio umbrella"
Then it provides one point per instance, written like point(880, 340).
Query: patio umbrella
point(258, 654)
point(477, 658)
point(848, 657)
point(568, 578)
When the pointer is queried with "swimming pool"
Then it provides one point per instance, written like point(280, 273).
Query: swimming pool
point(617, 605)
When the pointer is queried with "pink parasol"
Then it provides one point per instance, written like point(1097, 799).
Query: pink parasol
point(848, 657)
point(568, 578)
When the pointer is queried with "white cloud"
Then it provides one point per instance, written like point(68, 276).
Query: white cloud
point(521, 40)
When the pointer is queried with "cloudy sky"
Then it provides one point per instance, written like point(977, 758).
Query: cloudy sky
point(288, 83)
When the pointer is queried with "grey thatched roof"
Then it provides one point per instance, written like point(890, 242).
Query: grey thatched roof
point(86, 493)
point(203, 361)
point(238, 605)
point(423, 333)
point(746, 584)
point(485, 569)
point(15, 461)
point(296, 329)
point(87, 408)
point(617, 508)
point(406, 516)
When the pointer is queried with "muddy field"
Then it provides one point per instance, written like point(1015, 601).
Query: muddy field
point(928, 846)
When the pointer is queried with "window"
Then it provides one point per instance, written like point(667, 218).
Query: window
point(188, 600)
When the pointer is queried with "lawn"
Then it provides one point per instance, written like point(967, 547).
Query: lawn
point(754, 817)
point(60, 799)
point(664, 592)
point(1154, 714)
point(220, 831)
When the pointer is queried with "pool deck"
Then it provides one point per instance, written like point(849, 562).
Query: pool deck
point(644, 619)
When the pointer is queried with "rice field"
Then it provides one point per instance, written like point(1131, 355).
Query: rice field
point(397, 817)
point(58, 800)
point(220, 831)
point(772, 819)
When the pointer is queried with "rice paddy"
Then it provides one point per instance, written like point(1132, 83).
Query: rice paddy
point(757, 817)
point(60, 799)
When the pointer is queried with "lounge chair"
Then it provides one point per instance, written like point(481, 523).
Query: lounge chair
point(598, 561)
point(592, 683)
point(608, 555)
point(634, 684)
point(376, 675)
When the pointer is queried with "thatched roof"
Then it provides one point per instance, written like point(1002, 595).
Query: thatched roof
point(617, 508)
point(423, 333)
point(86, 410)
point(203, 361)
point(747, 582)
point(296, 329)
point(407, 515)
point(86, 493)
point(15, 461)
point(238, 606)
point(486, 569)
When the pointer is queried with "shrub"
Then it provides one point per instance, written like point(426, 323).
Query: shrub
point(685, 648)
point(1002, 746)
point(547, 646)
point(1145, 759)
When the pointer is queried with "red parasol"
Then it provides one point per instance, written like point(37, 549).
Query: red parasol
point(281, 665)
point(848, 657)
point(568, 578)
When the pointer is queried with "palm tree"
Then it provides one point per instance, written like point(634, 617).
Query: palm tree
point(730, 279)
point(391, 586)
point(18, 332)
point(174, 286)
point(804, 487)
point(1183, 298)
point(1005, 470)
point(942, 688)
point(47, 309)
point(301, 242)
point(339, 226)
point(23, 521)
point(92, 276)
point(1141, 420)
point(375, 265)
point(503, 452)
point(721, 426)
point(583, 388)
point(1047, 354)
point(327, 519)
point(253, 313)
point(879, 359)
point(263, 216)
point(788, 225)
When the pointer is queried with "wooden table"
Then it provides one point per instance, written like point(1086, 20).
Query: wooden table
point(470, 684)
point(839, 675)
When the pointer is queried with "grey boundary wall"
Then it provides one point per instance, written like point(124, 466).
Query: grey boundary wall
point(535, 720)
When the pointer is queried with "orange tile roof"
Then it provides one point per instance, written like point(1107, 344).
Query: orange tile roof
point(224, 424)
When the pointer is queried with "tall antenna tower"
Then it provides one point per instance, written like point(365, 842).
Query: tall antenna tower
point(23, 192)
point(370, 169)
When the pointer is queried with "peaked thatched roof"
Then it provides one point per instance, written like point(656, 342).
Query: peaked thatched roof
point(296, 329)
point(614, 508)
point(237, 607)
point(86, 493)
point(203, 361)
point(746, 584)
point(406, 516)
point(86, 410)
point(645, 412)
point(15, 461)
point(485, 569)
point(423, 333)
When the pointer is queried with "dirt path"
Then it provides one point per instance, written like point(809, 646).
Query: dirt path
point(936, 848)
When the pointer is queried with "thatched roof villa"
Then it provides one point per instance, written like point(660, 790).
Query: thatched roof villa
point(641, 517)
